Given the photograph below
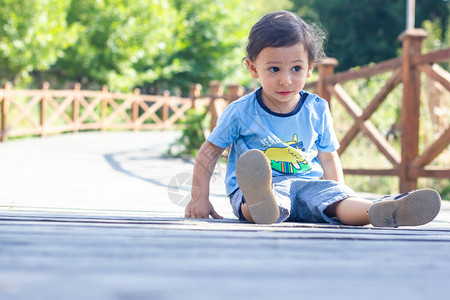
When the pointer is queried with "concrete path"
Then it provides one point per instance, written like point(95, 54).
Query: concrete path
point(99, 216)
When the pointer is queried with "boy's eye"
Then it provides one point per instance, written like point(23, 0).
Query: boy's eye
point(296, 68)
point(274, 69)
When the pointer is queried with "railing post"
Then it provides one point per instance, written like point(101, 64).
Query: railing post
point(215, 91)
point(4, 112)
point(76, 106)
point(235, 91)
point(165, 112)
point(135, 112)
point(104, 107)
point(325, 69)
point(410, 113)
point(194, 93)
point(45, 88)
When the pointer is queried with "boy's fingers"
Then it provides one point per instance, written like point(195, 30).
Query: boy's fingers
point(215, 215)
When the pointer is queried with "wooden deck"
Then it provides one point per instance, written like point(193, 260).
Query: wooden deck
point(93, 216)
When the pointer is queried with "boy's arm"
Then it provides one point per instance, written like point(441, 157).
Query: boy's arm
point(331, 165)
point(200, 207)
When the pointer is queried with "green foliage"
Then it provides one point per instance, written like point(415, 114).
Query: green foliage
point(117, 42)
point(33, 35)
point(438, 38)
point(163, 44)
point(192, 137)
point(208, 42)
point(159, 44)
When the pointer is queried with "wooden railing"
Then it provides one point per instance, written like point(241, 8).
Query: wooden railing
point(409, 164)
point(46, 111)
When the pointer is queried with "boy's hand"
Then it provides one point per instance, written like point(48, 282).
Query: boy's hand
point(198, 209)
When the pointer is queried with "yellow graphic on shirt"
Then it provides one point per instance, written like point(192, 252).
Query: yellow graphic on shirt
point(288, 160)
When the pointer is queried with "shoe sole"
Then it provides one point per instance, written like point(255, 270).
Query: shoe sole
point(418, 208)
point(254, 177)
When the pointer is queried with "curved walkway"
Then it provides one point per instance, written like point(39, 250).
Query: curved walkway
point(99, 216)
point(120, 173)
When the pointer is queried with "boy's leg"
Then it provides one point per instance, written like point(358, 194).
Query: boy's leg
point(409, 209)
point(254, 177)
point(350, 211)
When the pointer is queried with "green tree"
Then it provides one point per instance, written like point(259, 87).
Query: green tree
point(208, 42)
point(33, 35)
point(117, 42)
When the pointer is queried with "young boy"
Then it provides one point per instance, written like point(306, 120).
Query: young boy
point(283, 164)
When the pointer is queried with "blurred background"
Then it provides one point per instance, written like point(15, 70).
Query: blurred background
point(161, 45)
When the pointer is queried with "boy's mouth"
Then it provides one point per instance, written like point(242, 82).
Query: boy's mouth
point(284, 93)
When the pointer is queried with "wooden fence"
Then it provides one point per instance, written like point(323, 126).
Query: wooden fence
point(409, 164)
point(46, 111)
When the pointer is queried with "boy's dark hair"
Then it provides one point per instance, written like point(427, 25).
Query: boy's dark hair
point(284, 29)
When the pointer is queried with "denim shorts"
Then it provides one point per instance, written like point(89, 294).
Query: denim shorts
point(300, 200)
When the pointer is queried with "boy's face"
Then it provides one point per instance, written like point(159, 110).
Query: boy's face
point(282, 73)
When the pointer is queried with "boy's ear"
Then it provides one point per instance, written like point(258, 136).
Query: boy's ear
point(252, 68)
point(310, 70)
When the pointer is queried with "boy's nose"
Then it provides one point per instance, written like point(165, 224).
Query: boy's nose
point(284, 79)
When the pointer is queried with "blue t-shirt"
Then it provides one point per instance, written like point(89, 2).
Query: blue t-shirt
point(290, 141)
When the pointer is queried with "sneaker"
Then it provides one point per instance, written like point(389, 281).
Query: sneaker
point(254, 177)
point(409, 209)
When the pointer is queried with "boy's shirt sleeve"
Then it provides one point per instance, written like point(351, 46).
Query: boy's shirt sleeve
point(327, 140)
point(227, 129)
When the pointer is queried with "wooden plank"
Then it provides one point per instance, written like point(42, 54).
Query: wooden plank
point(348, 138)
point(179, 113)
point(349, 104)
point(17, 132)
point(382, 144)
point(367, 126)
point(89, 126)
point(165, 108)
point(436, 56)
point(432, 151)
point(135, 107)
point(410, 117)
point(60, 110)
point(76, 106)
point(149, 112)
point(143, 258)
point(88, 109)
point(25, 111)
point(379, 98)
point(119, 110)
point(325, 69)
point(369, 110)
point(43, 108)
point(429, 172)
point(365, 72)
point(23, 225)
point(371, 172)
point(438, 74)
point(4, 111)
